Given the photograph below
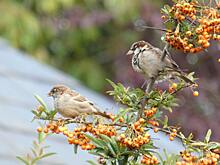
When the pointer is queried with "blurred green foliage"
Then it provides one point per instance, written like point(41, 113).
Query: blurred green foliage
point(78, 36)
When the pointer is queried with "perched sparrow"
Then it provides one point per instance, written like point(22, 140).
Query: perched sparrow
point(71, 104)
point(146, 59)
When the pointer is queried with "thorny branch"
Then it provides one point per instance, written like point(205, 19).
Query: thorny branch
point(73, 121)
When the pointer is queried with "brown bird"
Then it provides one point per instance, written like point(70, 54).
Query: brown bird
point(71, 104)
point(146, 59)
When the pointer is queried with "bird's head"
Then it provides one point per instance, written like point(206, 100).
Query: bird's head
point(58, 90)
point(138, 47)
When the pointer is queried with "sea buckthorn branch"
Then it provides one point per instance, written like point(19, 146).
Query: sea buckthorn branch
point(123, 129)
point(197, 25)
point(37, 151)
point(133, 138)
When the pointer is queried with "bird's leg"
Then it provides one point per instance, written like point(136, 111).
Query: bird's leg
point(82, 117)
point(165, 50)
point(143, 101)
point(150, 84)
point(142, 86)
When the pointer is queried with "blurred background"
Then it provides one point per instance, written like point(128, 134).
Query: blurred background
point(88, 40)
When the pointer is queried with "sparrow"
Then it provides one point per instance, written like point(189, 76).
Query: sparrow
point(71, 104)
point(146, 59)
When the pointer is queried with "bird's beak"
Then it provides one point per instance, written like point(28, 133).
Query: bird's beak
point(130, 52)
point(49, 94)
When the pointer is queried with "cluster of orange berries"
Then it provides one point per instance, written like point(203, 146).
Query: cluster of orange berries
point(205, 25)
point(103, 129)
point(112, 117)
point(135, 142)
point(149, 160)
point(77, 135)
point(138, 125)
point(140, 138)
point(183, 9)
point(153, 123)
point(149, 113)
point(173, 134)
point(189, 159)
point(73, 137)
point(174, 86)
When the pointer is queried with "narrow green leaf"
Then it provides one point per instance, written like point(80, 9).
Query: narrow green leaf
point(35, 113)
point(22, 160)
point(165, 124)
point(91, 162)
point(99, 152)
point(34, 152)
point(40, 137)
point(109, 144)
point(40, 100)
point(47, 155)
point(208, 135)
point(121, 114)
point(33, 162)
point(97, 142)
point(213, 145)
point(53, 113)
point(198, 144)
point(75, 148)
point(115, 145)
point(41, 151)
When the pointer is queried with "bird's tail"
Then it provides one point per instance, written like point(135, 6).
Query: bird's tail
point(103, 114)
point(100, 113)
point(179, 73)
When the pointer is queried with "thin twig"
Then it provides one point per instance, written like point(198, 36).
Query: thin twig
point(70, 121)
point(154, 28)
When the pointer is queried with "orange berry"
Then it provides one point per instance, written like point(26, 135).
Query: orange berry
point(136, 124)
point(46, 130)
point(163, 17)
point(39, 129)
point(219, 60)
point(188, 33)
point(171, 138)
point(206, 45)
point(65, 132)
point(122, 136)
point(173, 134)
point(174, 130)
point(142, 129)
point(195, 93)
point(174, 86)
point(156, 129)
point(121, 119)
point(170, 90)
point(193, 17)
point(141, 120)
point(70, 140)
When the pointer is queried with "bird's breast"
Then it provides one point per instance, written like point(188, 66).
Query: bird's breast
point(150, 63)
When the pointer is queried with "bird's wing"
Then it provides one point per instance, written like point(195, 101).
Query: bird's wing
point(80, 98)
point(168, 59)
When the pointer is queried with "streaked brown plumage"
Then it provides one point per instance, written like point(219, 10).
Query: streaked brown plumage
point(146, 59)
point(71, 104)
